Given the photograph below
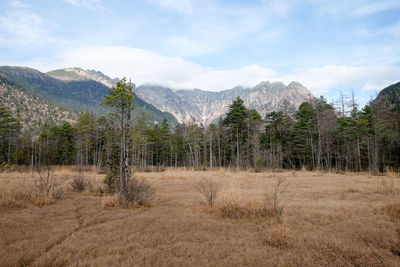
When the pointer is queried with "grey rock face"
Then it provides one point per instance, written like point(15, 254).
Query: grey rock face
point(206, 107)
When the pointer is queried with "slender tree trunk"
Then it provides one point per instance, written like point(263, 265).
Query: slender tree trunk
point(237, 149)
point(211, 158)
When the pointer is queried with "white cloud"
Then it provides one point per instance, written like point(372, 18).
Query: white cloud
point(340, 8)
point(206, 26)
point(84, 3)
point(23, 28)
point(148, 67)
point(321, 80)
point(184, 45)
point(183, 6)
point(17, 4)
point(376, 6)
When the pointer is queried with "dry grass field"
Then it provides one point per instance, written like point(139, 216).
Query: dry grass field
point(328, 220)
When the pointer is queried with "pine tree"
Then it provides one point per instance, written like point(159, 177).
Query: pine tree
point(120, 103)
point(235, 120)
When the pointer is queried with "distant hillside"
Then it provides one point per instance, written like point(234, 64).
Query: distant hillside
point(390, 97)
point(73, 95)
point(206, 106)
point(29, 107)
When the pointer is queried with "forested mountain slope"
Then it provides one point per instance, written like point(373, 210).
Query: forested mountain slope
point(389, 97)
point(29, 107)
point(71, 96)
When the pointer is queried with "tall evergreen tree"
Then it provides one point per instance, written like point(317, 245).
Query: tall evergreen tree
point(120, 103)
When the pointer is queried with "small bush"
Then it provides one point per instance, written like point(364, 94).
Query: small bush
point(208, 190)
point(251, 210)
point(111, 182)
point(58, 192)
point(15, 198)
point(110, 202)
point(23, 195)
point(79, 183)
point(277, 200)
point(138, 192)
point(279, 236)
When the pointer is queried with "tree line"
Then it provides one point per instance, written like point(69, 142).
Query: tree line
point(315, 137)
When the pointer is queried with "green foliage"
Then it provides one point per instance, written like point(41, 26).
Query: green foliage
point(119, 97)
point(112, 178)
point(236, 115)
point(9, 131)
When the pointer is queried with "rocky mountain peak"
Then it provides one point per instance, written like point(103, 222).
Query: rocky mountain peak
point(206, 106)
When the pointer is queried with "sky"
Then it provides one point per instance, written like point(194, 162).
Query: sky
point(328, 46)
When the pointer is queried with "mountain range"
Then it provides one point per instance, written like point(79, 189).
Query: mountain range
point(202, 106)
point(60, 95)
point(206, 107)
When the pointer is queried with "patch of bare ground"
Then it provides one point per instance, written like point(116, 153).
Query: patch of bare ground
point(328, 220)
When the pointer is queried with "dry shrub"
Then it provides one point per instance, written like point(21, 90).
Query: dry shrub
point(24, 194)
point(277, 200)
point(79, 183)
point(138, 192)
point(58, 192)
point(16, 197)
point(393, 212)
point(279, 236)
point(208, 190)
point(251, 210)
point(110, 202)
point(44, 182)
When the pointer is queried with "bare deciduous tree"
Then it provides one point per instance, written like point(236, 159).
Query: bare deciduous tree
point(277, 200)
point(209, 190)
point(45, 182)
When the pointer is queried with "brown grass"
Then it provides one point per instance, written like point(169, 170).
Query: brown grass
point(329, 220)
point(393, 212)
point(250, 210)
point(279, 236)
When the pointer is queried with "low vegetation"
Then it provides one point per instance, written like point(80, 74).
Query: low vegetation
point(249, 210)
point(138, 193)
point(322, 222)
point(30, 189)
point(392, 211)
point(208, 190)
